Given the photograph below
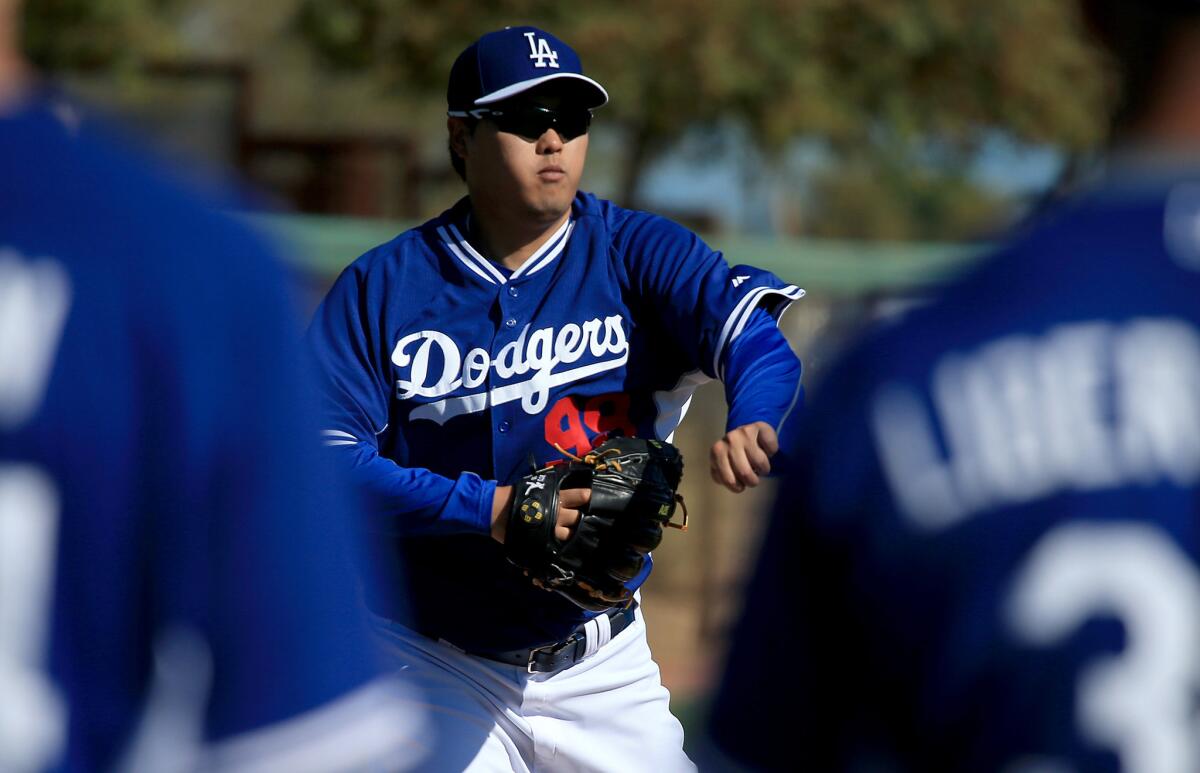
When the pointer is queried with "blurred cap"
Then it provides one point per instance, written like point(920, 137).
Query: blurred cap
point(1163, 9)
point(510, 61)
point(1136, 30)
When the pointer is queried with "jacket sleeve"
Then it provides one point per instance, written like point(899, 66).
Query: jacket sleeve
point(762, 376)
point(702, 302)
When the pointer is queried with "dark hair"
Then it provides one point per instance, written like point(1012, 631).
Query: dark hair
point(456, 161)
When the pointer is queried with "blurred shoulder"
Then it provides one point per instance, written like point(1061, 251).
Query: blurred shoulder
point(94, 196)
point(1116, 251)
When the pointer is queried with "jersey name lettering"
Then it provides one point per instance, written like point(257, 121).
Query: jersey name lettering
point(538, 352)
point(540, 51)
point(1087, 406)
point(34, 300)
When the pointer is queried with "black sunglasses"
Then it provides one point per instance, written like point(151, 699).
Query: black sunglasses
point(532, 121)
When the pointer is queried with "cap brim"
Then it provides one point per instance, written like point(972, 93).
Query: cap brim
point(598, 92)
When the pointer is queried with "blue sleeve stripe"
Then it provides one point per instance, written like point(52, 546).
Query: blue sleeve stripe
point(741, 314)
point(380, 724)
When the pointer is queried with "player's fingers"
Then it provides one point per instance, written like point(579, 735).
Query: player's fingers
point(568, 519)
point(574, 498)
point(747, 440)
point(741, 465)
point(759, 461)
point(721, 470)
point(768, 440)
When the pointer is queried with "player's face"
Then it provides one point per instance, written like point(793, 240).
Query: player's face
point(530, 156)
point(11, 65)
point(8, 23)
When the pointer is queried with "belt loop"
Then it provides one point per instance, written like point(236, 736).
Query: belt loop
point(603, 630)
point(591, 633)
point(586, 640)
point(598, 631)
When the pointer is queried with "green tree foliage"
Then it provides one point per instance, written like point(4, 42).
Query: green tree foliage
point(863, 75)
point(895, 198)
point(870, 80)
point(94, 34)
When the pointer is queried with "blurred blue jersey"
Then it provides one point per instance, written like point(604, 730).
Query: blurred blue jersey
point(176, 576)
point(990, 557)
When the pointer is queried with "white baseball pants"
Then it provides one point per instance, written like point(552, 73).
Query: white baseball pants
point(609, 712)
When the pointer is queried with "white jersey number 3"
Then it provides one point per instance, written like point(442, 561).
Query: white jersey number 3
point(1140, 703)
point(32, 717)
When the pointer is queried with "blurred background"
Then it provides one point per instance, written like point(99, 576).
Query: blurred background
point(862, 149)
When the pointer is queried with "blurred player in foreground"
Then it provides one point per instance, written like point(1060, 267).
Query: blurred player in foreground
point(547, 318)
point(176, 581)
point(990, 559)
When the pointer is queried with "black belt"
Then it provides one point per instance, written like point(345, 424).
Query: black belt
point(558, 655)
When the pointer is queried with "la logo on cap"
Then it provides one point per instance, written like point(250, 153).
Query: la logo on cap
point(540, 51)
point(511, 61)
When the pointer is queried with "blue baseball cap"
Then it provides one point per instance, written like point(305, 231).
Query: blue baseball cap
point(510, 61)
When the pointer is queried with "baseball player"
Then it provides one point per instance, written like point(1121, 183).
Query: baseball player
point(176, 581)
point(989, 559)
point(527, 323)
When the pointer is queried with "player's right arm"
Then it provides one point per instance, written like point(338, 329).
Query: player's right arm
point(352, 368)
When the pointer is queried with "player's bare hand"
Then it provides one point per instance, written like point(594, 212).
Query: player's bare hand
point(570, 504)
point(501, 503)
point(571, 501)
point(743, 456)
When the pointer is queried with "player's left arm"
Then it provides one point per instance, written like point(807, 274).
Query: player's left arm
point(724, 321)
point(764, 393)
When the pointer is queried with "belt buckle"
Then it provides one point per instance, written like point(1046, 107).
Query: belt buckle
point(572, 640)
point(534, 652)
point(549, 649)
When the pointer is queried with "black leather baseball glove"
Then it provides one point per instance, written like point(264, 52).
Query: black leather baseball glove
point(633, 485)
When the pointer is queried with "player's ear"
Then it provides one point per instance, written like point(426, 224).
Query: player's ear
point(459, 131)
